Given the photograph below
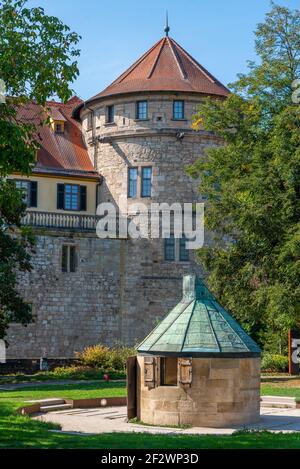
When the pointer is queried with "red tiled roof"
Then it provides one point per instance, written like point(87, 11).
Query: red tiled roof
point(63, 153)
point(165, 67)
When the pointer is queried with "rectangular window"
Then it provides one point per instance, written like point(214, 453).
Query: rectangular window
point(178, 109)
point(110, 114)
point(146, 182)
point(142, 110)
point(24, 186)
point(68, 258)
point(58, 128)
point(183, 251)
point(168, 371)
point(71, 197)
point(29, 192)
point(132, 182)
point(170, 248)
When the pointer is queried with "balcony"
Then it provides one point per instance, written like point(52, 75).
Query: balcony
point(60, 221)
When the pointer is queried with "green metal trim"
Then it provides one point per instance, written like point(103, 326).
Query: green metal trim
point(202, 354)
point(188, 325)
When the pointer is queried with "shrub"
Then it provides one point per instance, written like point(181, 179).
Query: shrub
point(83, 372)
point(75, 372)
point(274, 362)
point(94, 356)
point(105, 358)
point(118, 357)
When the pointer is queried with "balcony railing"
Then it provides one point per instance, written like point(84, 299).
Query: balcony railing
point(65, 221)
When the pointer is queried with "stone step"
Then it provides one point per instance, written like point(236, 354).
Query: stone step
point(286, 399)
point(278, 401)
point(48, 402)
point(52, 408)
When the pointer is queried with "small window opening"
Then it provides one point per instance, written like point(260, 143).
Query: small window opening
point(68, 261)
point(59, 128)
point(168, 371)
point(110, 114)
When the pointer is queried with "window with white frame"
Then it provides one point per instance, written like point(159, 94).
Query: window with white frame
point(142, 110)
point(71, 197)
point(29, 192)
point(24, 187)
point(132, 182)
point(146, 181)
point(178, 109)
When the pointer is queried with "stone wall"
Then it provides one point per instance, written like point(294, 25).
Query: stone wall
point(72, 309)
point(224, 392)
point(120, 290)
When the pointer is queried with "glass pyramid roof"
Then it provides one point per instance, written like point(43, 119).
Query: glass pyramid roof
point(199, 326)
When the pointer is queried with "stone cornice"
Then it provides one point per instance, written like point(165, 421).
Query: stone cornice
point(166, 132)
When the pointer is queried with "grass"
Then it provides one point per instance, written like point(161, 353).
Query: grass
point(281, 386)
point(17, 431)
point(66, 391)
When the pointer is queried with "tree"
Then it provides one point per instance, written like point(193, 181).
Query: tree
point(253, 186)
point(37, 61)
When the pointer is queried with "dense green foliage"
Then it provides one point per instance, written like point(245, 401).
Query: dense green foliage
point(272, 362)
point(37, 55)
point(253, 187)
point(63, 373)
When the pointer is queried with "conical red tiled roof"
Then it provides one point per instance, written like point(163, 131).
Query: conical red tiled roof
point(165, 67)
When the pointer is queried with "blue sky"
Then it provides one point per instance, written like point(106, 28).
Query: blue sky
point(218, 33)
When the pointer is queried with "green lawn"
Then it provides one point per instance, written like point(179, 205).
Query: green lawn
point(67, 391)
point(282, 386)
point(22, 432)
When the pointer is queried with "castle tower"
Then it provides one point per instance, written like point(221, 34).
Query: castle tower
point(138, 141)
point(139, 136)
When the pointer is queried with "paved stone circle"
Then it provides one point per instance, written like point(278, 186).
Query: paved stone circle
point(113, 419)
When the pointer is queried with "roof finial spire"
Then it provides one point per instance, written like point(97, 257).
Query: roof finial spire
point(167, 28)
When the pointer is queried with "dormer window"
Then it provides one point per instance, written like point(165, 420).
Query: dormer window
point(110, 114)
point(59, 127)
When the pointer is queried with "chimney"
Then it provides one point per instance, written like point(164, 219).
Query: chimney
point(189, 287)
